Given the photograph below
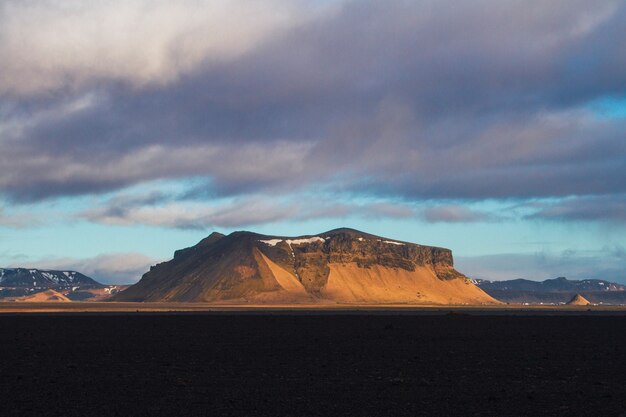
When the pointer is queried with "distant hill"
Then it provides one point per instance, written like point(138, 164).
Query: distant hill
point(554, 291)
point(338, 266)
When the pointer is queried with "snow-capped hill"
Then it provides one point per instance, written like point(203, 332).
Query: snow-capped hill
point(39, 278)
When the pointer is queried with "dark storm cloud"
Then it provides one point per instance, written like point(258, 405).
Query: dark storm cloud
point(414, 100)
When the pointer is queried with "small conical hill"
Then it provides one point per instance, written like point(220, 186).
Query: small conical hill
point(578, 300)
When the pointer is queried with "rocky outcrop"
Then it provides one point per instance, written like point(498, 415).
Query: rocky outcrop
point(342, 265)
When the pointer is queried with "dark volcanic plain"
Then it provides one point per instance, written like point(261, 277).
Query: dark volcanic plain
point(312, 364)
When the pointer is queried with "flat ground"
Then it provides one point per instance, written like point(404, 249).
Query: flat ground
point(383, 363)
point(172, 307)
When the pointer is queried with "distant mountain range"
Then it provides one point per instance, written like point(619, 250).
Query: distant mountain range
point(338, 266)
point(41, 278)
point(553, 291)
point(31, 284)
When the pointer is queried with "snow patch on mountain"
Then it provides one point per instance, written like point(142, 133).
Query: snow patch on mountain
point(274, 242)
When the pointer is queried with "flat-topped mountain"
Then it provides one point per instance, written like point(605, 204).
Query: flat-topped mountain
point(342, 265)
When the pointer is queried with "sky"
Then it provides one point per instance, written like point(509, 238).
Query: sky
point(133, 128)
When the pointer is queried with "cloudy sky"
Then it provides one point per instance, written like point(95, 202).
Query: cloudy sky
point(496, 128)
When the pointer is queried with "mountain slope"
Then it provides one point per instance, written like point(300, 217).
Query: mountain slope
point(342, 265)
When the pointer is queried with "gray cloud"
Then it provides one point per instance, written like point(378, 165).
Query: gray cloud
point(242, 168)
point(185, 211)
point(454, 214)
point(589, 208)
point(155, 210)
point(413, 100)
point(193, 216)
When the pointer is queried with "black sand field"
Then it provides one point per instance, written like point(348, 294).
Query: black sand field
point(317, 364)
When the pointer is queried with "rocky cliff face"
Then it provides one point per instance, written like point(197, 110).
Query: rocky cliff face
point(310, 256)
point(340, 265)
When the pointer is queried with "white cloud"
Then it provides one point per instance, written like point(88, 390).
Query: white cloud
point(185, 211)
point(112, 268)
point(49, 44)
point(195, 215)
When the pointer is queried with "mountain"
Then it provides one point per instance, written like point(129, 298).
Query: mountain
point(578, 300)
point(554, 291)
point(342, 265)
point(40, 278)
